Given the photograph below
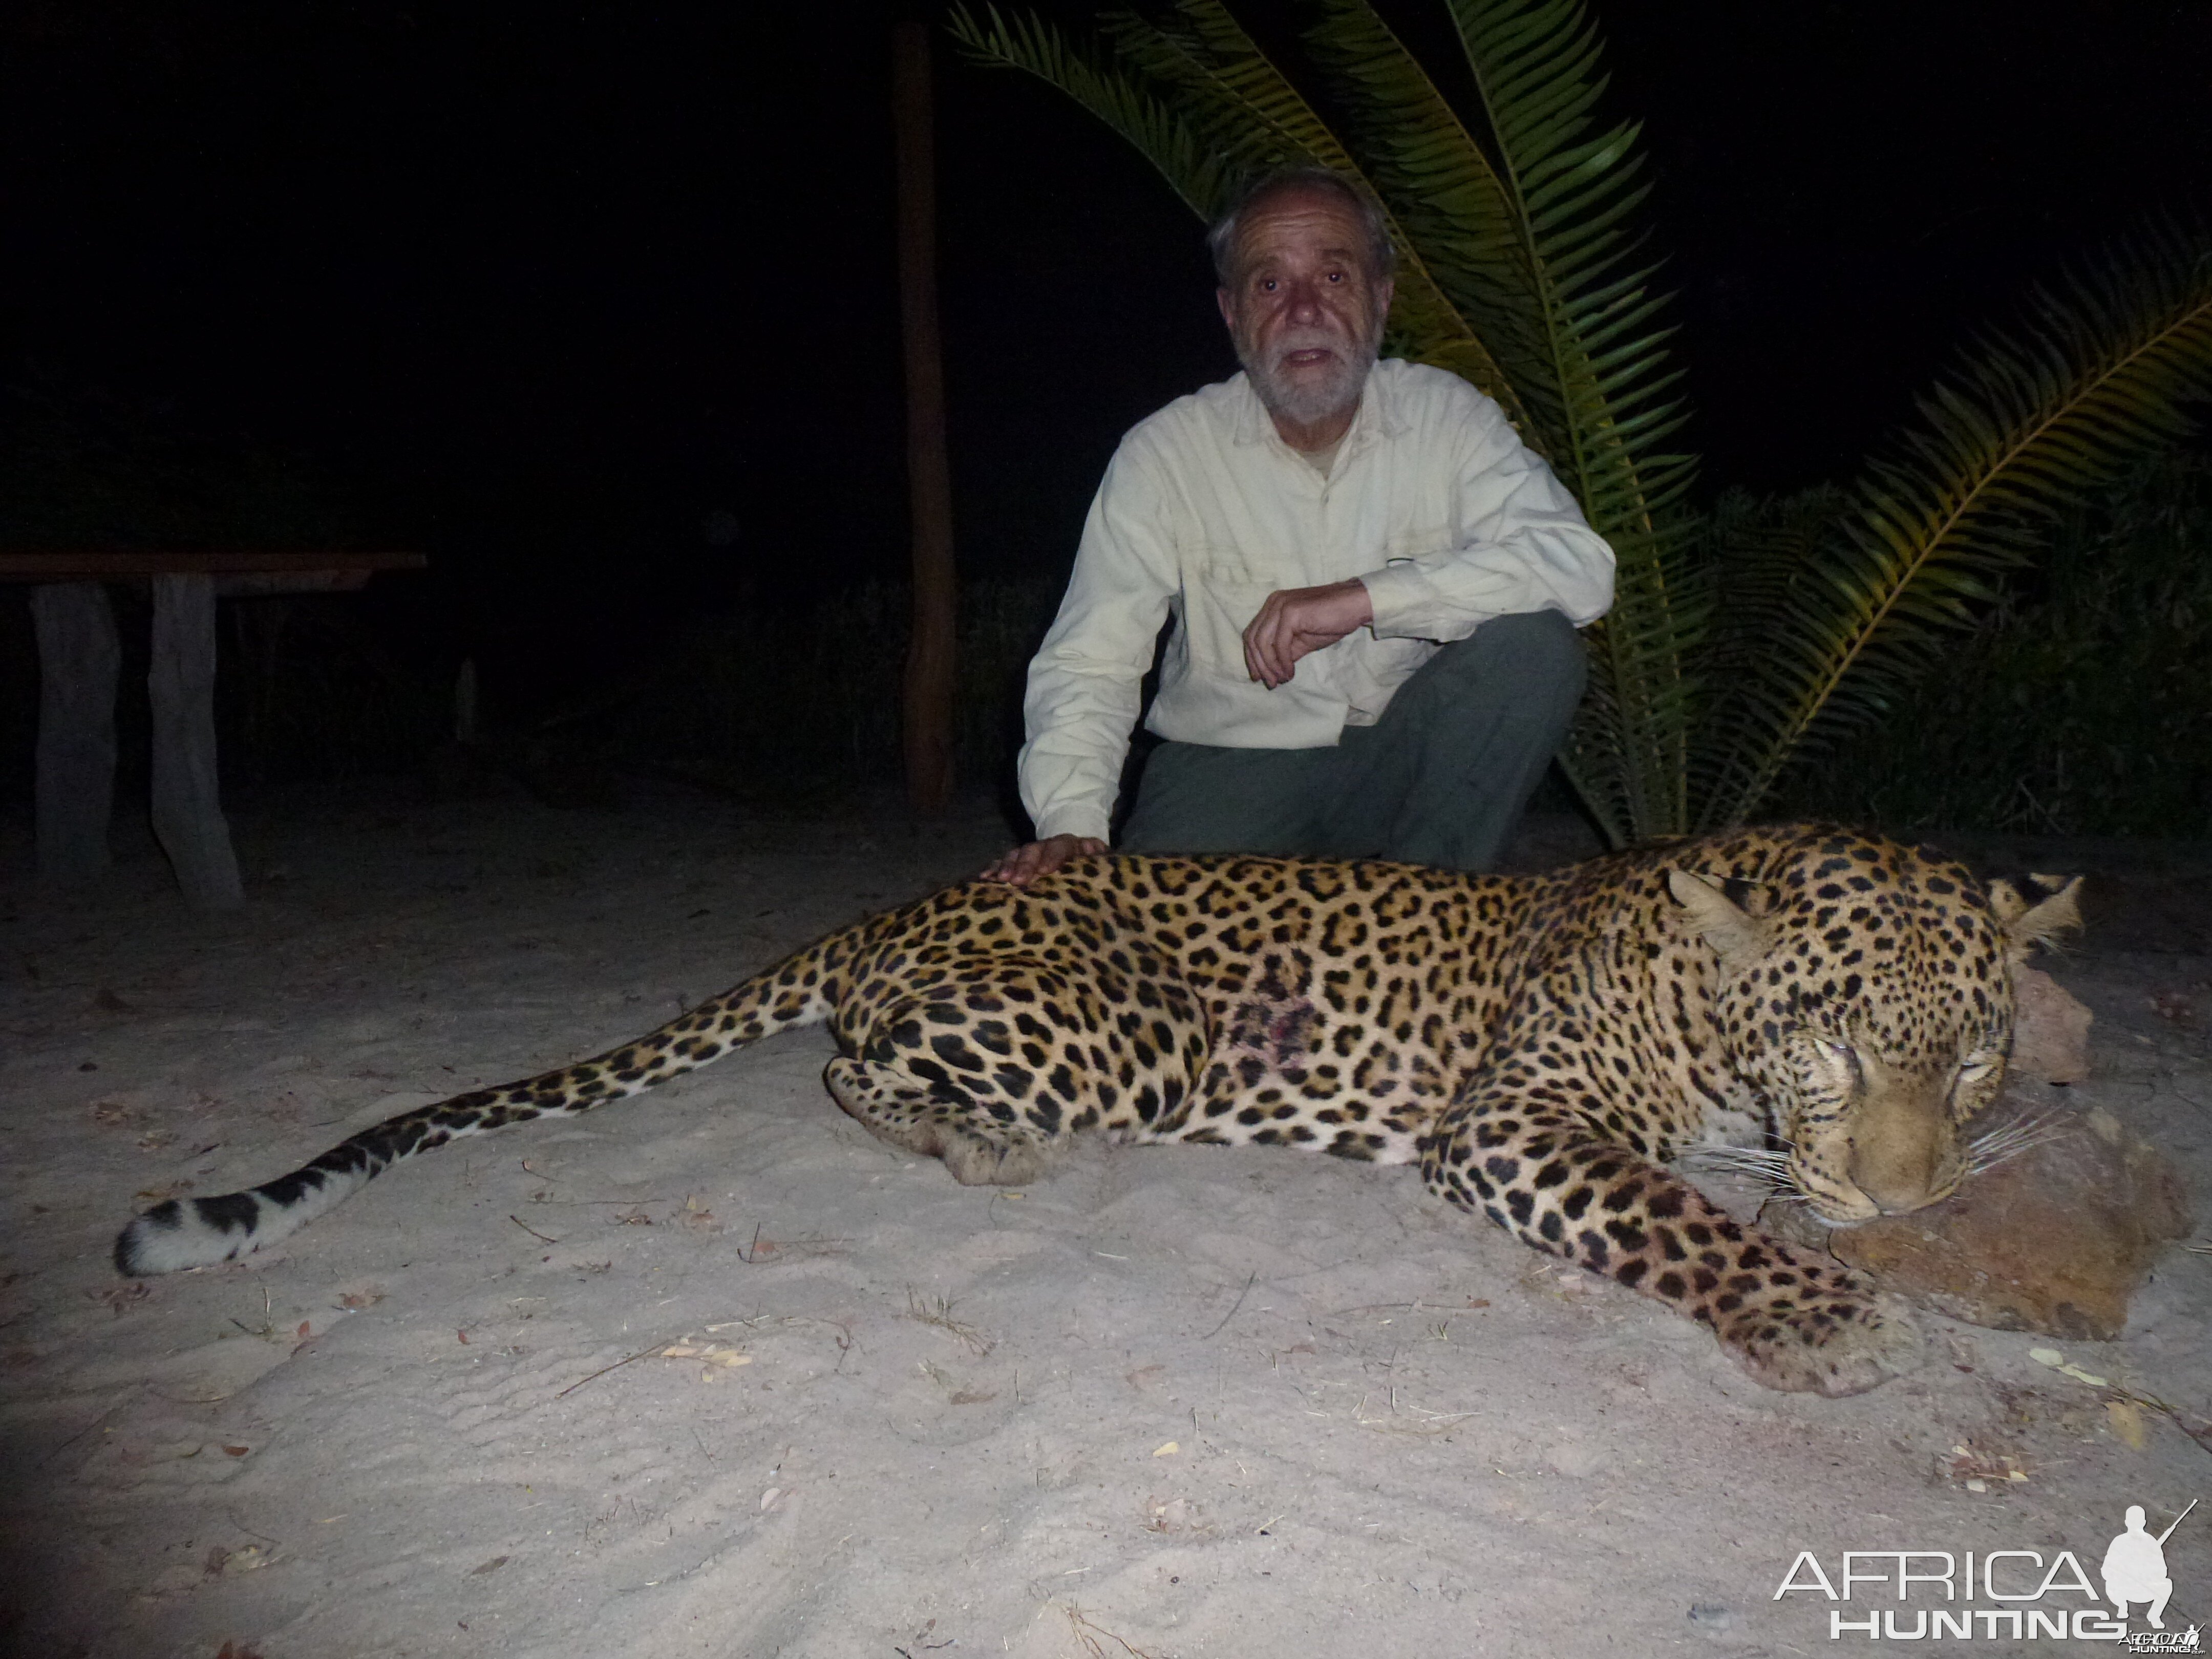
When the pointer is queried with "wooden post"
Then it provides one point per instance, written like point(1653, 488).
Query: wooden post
point(188, 818)
point(929, 660)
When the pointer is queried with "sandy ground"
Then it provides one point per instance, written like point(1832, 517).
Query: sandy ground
point(1176, 1402)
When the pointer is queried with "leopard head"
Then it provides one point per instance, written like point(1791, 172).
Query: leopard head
point(1864, 991)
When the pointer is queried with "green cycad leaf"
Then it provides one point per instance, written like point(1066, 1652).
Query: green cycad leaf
point(1454, 209)
point(1199, 53)
point(1522, 225)
point(1598, 358)
point(2026, 424)
point(1196, 170)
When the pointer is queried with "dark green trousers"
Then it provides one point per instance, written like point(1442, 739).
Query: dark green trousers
point(1440, 779)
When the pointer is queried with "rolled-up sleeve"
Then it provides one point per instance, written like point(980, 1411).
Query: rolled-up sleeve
point(1085, 683)
point(1524, 546)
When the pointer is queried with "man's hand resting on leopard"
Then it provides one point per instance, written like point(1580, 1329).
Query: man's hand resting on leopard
point(1041, 858)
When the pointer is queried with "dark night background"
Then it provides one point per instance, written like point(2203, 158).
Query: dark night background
point(539, 289)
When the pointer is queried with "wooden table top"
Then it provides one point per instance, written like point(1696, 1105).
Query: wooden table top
point(102, 567)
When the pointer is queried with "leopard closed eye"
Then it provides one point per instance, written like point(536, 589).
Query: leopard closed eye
point(1544, 1047)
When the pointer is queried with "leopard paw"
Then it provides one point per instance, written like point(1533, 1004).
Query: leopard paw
point(1014, 1160)
point(1841, 1343)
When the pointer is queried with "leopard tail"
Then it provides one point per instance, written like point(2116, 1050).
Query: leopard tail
point(199, 1232)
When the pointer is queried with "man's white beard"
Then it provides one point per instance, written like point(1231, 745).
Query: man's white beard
point(1314, 396)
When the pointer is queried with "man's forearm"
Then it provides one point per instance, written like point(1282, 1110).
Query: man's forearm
point(1566, 568)
point(1070, 773)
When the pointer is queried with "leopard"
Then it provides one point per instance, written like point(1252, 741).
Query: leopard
point(1552, 1050)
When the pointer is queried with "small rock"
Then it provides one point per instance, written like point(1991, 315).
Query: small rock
point(1713, 1618)
point(2050, 1030)
point(2054, 1240)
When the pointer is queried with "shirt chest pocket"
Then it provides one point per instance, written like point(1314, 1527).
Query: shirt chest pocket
point(1223, 590)
point(1424, 543)
point(1231, 567)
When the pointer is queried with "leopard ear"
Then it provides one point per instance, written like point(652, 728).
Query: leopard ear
point(2029, 921)
point(1738, 937)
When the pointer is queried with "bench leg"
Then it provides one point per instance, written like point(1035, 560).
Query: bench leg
point(188, 806)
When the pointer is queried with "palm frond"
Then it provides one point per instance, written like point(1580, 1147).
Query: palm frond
point(1756, 551)
point(1606, 393)
point(1200, 52)
point(1524, 222)
point(1626, 754)
point(1455, 212)
point(2021, 429)
point(1195, 169)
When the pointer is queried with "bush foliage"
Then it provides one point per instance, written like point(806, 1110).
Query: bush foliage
point(2081, 705)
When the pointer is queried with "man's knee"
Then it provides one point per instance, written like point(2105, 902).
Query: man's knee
point(1539, 644)
point(1534, 652)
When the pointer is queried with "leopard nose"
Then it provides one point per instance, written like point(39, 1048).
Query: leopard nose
point(1895, 1179)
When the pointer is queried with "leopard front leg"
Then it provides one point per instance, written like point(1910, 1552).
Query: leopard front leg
point(1795, 1320)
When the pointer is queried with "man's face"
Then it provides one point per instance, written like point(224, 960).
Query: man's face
point(1303, 308)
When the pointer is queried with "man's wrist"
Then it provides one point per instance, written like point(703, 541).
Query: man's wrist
point(1390, 594)
point(1357, 586)
point(1083, 826)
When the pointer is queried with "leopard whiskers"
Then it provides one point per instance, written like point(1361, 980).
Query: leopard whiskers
point(2025, 1133)
point(1766, 1168)
point(1747, 1159)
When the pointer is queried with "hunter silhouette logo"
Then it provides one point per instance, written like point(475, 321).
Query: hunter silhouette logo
point(2135, 1567)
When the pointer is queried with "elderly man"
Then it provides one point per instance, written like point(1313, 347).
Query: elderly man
point(1375, 587)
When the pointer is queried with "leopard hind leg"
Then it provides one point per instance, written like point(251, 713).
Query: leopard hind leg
point(993, 1060)
point(980, 1148)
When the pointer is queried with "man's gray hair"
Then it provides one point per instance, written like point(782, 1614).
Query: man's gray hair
point(1221, 239)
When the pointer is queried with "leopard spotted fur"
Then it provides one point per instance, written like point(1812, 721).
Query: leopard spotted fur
point(1544, 1047)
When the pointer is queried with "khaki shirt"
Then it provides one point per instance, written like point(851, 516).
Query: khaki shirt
point(1432, 501)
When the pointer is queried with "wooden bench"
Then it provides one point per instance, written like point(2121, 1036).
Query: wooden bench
point(78, 660)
